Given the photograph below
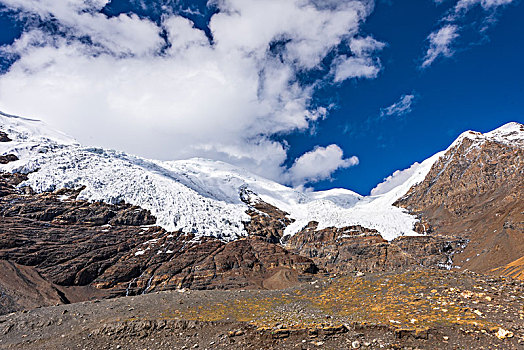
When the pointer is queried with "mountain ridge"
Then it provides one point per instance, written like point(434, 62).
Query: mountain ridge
point(69, 234)
point(206, 189)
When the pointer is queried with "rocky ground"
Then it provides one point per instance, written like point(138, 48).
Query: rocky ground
point(412, 310)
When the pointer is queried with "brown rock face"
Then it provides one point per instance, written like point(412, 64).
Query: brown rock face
point(4, 137)
point(66, 254)
point(8, 183)
point(71, 246)
point(8, 158)
point(58, 249)
point(476, 192)
point(46, 207)
point(267, 221)
point(347, 249)
point(23, 287)
point(212, 264)
point(353, 248)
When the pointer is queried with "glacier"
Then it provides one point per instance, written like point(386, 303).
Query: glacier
point(198, 196)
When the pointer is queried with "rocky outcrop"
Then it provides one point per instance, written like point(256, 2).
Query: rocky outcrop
point(8, 158)
point(58, 249)
point(476, 192)
point(4, 137)
point(352, 248)
point(22, 287)
point(8, 182)
point(209, 264)
point(356, 248)
point(267, 221)
point(67, 254)
point(61, 207)
point(93, 249)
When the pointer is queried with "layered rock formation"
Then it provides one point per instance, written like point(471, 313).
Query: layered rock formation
point(476, 192)
point(356, 248)
point(75, 250)
point(352, 248)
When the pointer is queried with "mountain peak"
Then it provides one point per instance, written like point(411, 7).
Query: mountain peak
point(511, 133)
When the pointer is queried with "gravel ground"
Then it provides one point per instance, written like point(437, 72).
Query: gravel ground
point(413, 310)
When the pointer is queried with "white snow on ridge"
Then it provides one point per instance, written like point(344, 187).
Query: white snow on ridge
point(196, 195)
point(511, 133)
point(375, 212)
point(112, 177)
point(25, 130)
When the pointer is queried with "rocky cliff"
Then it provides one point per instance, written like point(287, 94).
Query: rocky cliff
point(71, 250)
point(476, 191)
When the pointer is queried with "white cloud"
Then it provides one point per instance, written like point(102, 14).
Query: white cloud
point(486, 4)
point(363, 63)
point(355, 67)
point(394, 180)
point(403, 106)
point(365, 46)
point(125, 34)
point(319, 164)
point(440, 40)
point(127, 88)
point(440, 44)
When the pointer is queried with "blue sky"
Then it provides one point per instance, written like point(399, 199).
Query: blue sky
point(405, 96)
point(480, 88)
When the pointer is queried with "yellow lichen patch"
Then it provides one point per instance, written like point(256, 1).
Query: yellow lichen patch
point(242, 309)
point(411, 300)
point(394, 300)
point(514, 269)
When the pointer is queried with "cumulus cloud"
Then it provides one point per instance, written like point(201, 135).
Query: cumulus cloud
point(403, 106)
point(440, 44)
point(167, 90)
point(394, 180)
point(319, 164)
point(362, 64)
point(440, 41)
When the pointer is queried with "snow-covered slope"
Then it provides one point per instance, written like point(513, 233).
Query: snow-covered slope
point(196, 195)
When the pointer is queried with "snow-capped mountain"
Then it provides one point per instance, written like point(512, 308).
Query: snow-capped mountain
point(200, 196)
point(468, 199)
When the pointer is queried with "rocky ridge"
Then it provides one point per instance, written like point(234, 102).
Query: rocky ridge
point(117, 249)
point(475, 191)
